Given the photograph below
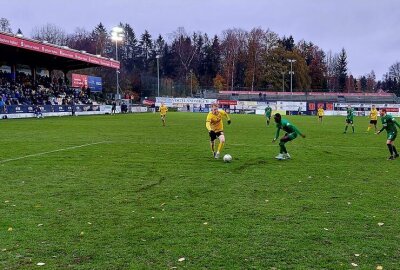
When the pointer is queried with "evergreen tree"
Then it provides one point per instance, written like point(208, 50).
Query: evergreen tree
point(129, 50)
point(146, 45)
point(159, 45)
point(19, 32)
point(363, 83)
point(212, 61)
point(102, 41)
point(341, 70)
point(288, 43)
point(197, 65)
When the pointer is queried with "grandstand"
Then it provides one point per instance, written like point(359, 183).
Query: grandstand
point(20, 88)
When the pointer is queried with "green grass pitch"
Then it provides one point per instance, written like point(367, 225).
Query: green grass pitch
point(123, 192)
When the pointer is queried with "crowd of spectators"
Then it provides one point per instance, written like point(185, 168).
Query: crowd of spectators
point(24, 90)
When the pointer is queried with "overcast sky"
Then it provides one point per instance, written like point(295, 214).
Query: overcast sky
point(369, 30)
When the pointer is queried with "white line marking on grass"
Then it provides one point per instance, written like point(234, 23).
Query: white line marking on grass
point(54, 151)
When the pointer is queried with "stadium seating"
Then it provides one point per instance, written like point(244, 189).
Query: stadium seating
point(24, 91)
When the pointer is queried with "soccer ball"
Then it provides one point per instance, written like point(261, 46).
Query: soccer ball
point(227, 158)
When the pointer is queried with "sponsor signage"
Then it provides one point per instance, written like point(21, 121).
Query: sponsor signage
point(37, 46)
point(227, 102)
point(184, 100)
point(329, 106)
point(148, 102)
point(94, 83)
point(79, 80)
point(382, 94)
point(291, 106)
point(387, 106)
point(50, 108)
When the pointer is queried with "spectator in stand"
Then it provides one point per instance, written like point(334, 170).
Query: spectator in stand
point(2, 105)
point(25, 91)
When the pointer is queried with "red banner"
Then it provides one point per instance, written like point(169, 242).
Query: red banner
point(79, 80)
point(148, 102)
point(392, 109)
point(56, 50)
point(321, 105)
point(329, 106)
point(227, 102)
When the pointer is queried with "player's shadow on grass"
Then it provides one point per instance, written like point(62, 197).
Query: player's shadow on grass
point(151, 185)
point(249, 163)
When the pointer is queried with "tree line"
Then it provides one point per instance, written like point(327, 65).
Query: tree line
point(256, 60)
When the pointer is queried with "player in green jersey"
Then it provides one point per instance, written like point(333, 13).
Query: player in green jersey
point(349, 118)
point(268, 111)
point(291, 134)
point(389, 123)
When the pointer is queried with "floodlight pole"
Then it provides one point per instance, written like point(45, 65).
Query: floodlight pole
point(191, 83)
point(158, 74)
point(291, 61)
point(117, 34)
point(117, 71)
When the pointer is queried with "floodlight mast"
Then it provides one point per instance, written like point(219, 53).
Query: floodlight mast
point(117, 34)
point(291, 61)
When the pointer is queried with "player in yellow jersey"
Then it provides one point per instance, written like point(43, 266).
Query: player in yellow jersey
point(320, 113)
point(215, 127)
point(373, 118)
point(163, 113)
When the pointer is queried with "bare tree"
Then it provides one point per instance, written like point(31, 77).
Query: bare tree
point(184, 48)
point(5, 25)
point(255, 48)
point(271, 40)
point(331, 63)
point(394, 71)
point(81, 39)
point(233, 43)
point(371, 81)
point(50, 33)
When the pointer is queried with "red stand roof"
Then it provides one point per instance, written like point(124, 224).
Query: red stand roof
point(20, 50)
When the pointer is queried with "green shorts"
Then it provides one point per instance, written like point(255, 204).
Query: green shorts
point(391, 136)
point(293, 135)
point(289, 136)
